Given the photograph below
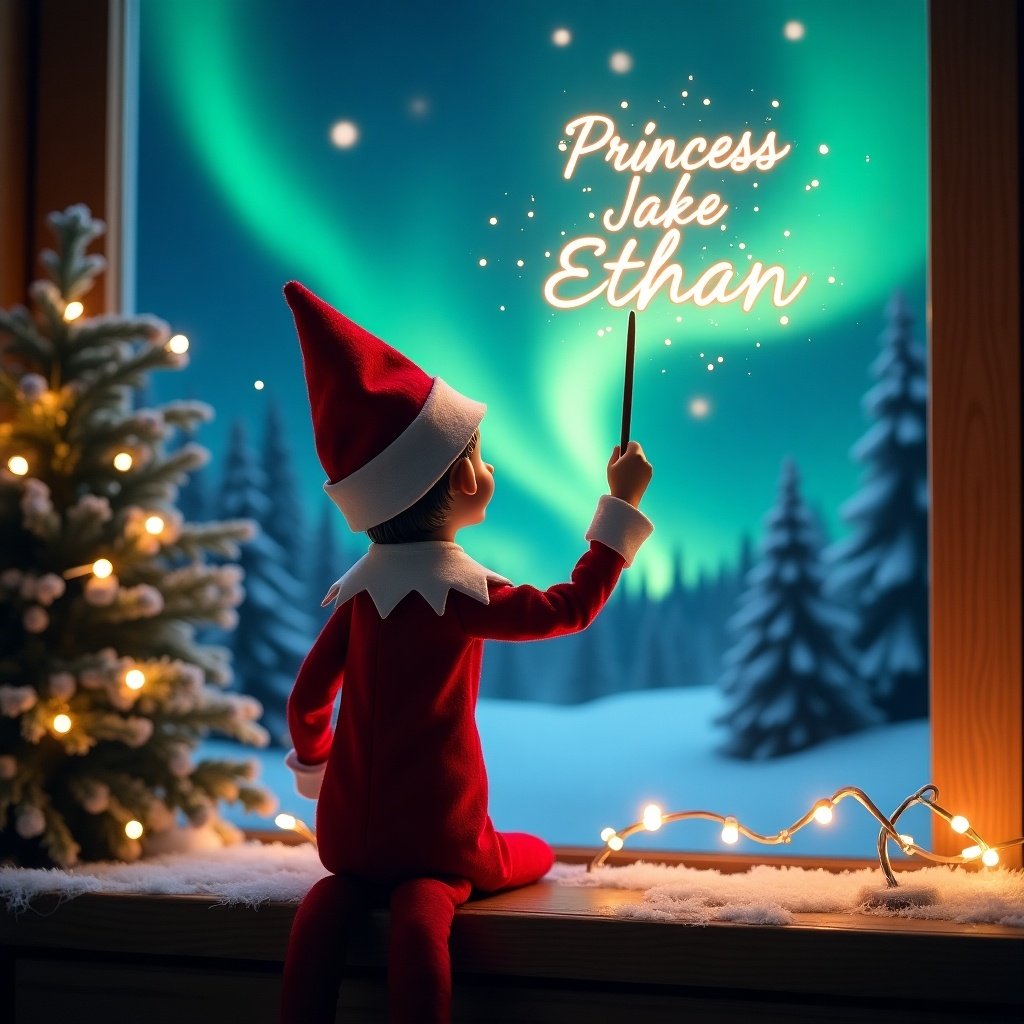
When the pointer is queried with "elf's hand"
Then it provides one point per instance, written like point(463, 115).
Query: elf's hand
point(308, 777)
point(629, 475)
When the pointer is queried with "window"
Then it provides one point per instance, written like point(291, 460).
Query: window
point(1002, 684)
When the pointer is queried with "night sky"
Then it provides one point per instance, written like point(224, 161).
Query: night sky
point(452, 115)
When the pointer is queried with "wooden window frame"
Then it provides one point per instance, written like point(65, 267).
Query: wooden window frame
point(54, 152)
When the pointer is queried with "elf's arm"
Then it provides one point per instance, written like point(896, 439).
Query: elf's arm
point(526, 613)
point(312, 701)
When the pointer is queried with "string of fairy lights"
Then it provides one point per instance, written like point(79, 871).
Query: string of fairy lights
point(822, 813)
point(155, 526)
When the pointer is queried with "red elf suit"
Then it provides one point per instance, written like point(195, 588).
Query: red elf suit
point(401, 784)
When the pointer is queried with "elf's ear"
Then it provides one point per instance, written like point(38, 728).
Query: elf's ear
point(463, 477)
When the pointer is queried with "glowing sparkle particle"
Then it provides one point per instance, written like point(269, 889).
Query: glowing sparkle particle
point(785, 234)
point(624, 105)
point(807, 188)
point(706, 102)
point(600, 332)
point(743, 245)
point(520, 263)
point(492, 220)
point(755, 184)
point(482, 262)
point(501, 309)
point(591, 215)
point(724, 226)
point(757, 344)
point(529, 213)
point(721, 359)
point(757, 209)
point(823, 149)
point(831, 279)
point(775, 103)
point(668, 341)
point(547, 253)
point(689, 78)
point(867, 159)
point(699, 407)
point(562, 147)
point(344, 134)
point(561, 37)
point(679, 319)
point(621, 62)
point(783, 320)
point(794, 31)
point(815, 183)
point(684, 93)
point(258, 385)
point(711, 366)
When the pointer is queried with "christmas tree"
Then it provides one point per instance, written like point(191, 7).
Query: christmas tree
point(788, 681)
point(882, 567)
point(104, 690)
point(274, 631)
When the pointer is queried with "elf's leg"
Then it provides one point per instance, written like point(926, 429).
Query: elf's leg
point(419, 967)
point(316, 949)
point(529, 858)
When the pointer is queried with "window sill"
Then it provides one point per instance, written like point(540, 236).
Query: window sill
point(543, 953)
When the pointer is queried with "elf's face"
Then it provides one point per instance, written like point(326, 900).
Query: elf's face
point(472, 490)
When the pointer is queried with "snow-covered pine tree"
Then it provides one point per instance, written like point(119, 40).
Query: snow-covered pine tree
point(104, 690)
point(882, 567)
point(193, 498)
point(284, 520)
point(788, 681)
point(274, 628)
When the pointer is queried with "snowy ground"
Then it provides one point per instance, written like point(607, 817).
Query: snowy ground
point(567, 772)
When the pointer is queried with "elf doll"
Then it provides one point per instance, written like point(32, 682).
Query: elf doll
point(400, 782)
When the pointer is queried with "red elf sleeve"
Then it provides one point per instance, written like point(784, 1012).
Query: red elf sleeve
point(316, 687)
point(526, 613)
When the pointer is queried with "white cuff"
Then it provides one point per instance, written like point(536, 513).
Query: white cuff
point(308, 777)
point(619, 526)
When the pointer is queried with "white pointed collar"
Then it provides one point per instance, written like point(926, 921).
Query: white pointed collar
point(388, 572)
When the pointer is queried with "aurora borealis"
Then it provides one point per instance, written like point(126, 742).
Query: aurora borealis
point(456, 115)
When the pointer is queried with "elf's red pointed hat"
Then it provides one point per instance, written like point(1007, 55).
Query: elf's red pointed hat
point(385, 432)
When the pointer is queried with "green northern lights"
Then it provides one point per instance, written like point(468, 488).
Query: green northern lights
point(240, 190)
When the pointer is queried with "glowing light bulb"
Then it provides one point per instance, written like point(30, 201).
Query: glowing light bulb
point(18, 465)
point(823, 813)
point(971, 852)
point(958, 823)
point(73, 310)
point(133, 829)
point(615, 843)
point(123, 461)
point(652, 817)
point(730, 831)
point(134, 679)
point(62, 723)
point(178, 344)
point(990, 858)
point(606, 834)
point(102, 568)
point(154, 525)
point(285, 821)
